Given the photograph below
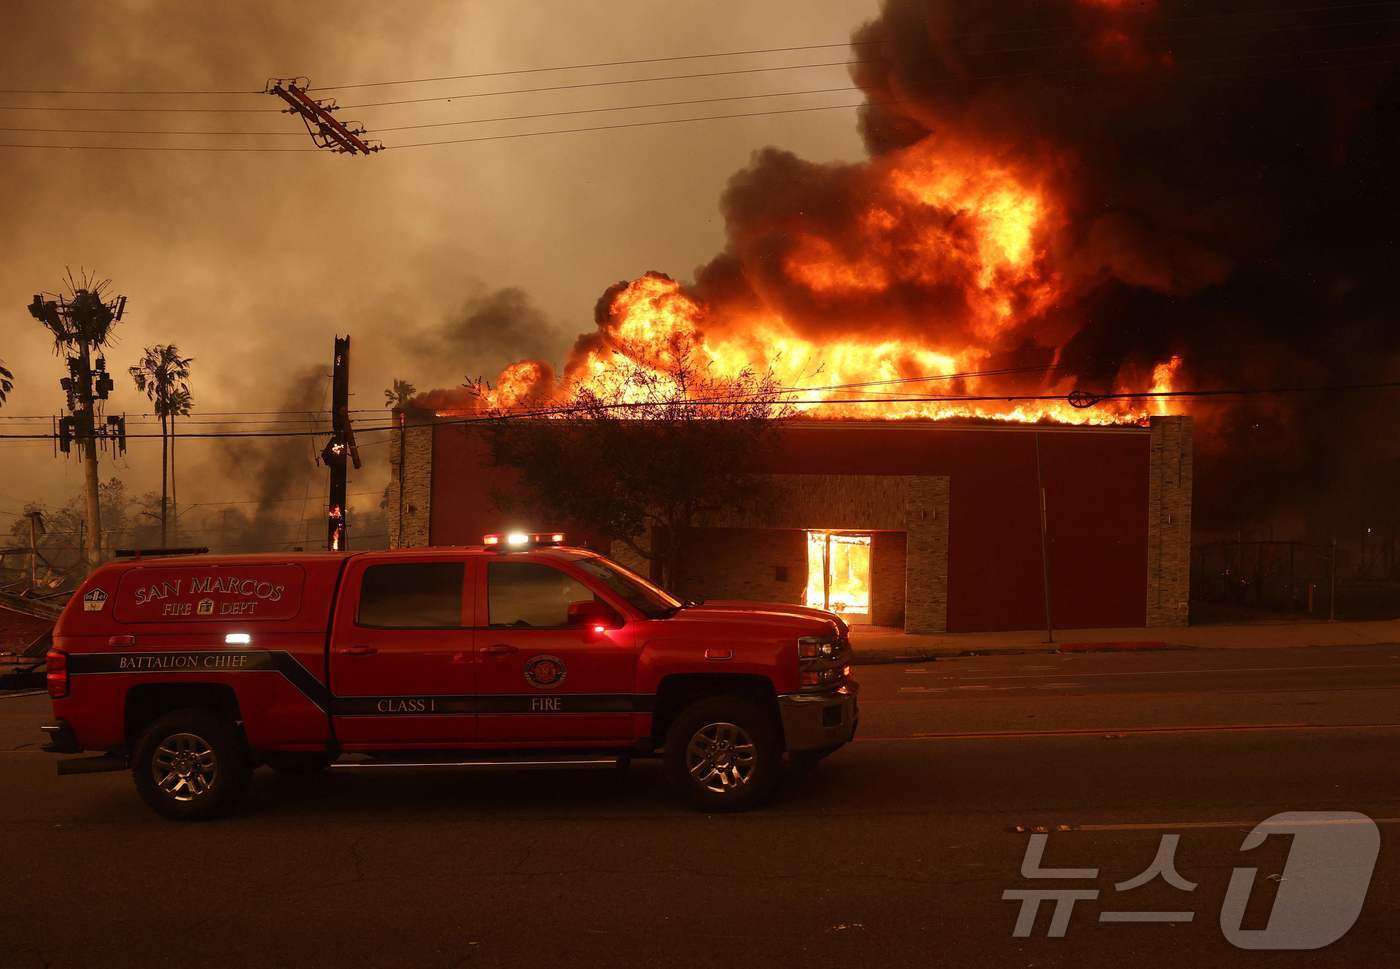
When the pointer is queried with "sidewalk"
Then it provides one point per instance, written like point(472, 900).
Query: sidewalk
point(878, 644)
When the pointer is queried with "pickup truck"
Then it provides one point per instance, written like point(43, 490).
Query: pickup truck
point(520, 653)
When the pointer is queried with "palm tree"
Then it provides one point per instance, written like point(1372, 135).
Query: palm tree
point(163, 376)
point(180, 403)
point(400, 394)
point(7, 381)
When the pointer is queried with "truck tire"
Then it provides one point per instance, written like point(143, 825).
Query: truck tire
point(723, 754)
point(190, 765)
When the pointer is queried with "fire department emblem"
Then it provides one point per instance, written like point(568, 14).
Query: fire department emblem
point(94, 600)
point(545, 672)
point(205, 607)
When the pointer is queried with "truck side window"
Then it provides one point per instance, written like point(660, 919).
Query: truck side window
point(412, 595)
point(529, 594)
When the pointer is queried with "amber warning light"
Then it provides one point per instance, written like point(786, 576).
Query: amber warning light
point(523, 539)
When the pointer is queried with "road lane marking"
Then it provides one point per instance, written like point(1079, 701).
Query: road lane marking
point(1130, 731)
point(1028, 692)
point(1238, 669)
point(16, 696)
point(1209, 825)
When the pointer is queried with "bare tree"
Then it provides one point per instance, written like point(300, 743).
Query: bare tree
point(643, 451)
point(163, 376)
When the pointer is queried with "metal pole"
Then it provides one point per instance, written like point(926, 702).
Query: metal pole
point(33, 552)
point(87, 429)
point(337, 537)
point(1332, 582)
point(1044, 554)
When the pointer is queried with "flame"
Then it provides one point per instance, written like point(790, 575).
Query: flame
point(940, 219)
point(838, 574)
point(1163, 376)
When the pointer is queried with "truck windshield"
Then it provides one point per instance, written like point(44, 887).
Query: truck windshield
point(652, 601)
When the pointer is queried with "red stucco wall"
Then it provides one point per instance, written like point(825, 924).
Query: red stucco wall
point(1096, 483)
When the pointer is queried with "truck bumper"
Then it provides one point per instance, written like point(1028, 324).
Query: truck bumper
point(819, 721)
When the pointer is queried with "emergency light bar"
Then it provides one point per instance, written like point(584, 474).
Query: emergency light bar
point(522, 539)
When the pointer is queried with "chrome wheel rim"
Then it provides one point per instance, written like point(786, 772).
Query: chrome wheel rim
point(184, 766)
point(720, 757)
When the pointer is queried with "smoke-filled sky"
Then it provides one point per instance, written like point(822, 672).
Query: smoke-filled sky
point(251, 262)
point(1103, 183)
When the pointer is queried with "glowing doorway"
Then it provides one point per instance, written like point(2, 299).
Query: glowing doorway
point(838, 574)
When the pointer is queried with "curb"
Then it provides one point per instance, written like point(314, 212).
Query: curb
point(881, 657)
point(1122, 646)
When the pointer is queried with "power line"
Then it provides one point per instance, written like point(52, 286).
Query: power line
point(1292, 68)
point(780, 67)
point(779, 397)
point(846, 43)
point(150, 131)
point(444, 124)
point(153, 91)
point(629, 124)
point(621, 107)
point(131, 110)
point(458, 141)
point(609, 83)
point(1013, 31)
point(155, 148)
point(297, 414)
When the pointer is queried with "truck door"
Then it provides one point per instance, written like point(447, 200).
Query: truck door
point(542, 677)
point(401, 665)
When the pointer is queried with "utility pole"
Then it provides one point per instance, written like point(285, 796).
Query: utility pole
point(81, 322)
point(1044, 550)
point(36, 528)
point(340, 449)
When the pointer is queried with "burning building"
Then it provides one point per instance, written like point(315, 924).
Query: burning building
point(1074, 216)
point(928, 526)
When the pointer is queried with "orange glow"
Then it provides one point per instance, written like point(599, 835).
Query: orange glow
point(966, 233)
point(1162, 376)
point(838, 574)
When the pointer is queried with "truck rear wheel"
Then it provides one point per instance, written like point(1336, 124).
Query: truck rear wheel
point(723, 754)
point(190, 765)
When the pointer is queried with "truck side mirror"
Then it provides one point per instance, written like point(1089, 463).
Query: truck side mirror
point(593, 616)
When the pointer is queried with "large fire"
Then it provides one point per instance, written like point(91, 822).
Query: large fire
point(963, 226)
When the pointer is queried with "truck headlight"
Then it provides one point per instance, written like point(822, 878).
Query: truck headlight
point(821, 662)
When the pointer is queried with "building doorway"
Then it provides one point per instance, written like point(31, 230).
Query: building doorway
point(838, 573)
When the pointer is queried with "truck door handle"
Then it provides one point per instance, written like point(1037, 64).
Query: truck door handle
point(358, 651)
point(499, 649)
point(121, 640)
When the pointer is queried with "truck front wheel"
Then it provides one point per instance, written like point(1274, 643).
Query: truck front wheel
point(190, 765)
point(723, 754)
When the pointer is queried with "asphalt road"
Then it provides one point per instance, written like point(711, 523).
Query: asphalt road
point(895, 852)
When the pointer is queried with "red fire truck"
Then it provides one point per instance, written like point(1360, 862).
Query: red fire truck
point(519, 653)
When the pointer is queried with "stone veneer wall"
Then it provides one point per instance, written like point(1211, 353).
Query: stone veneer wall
point(410, 486)
point(758, 564)
point(887, 578)
point(1169, 522)
point(915, 505)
